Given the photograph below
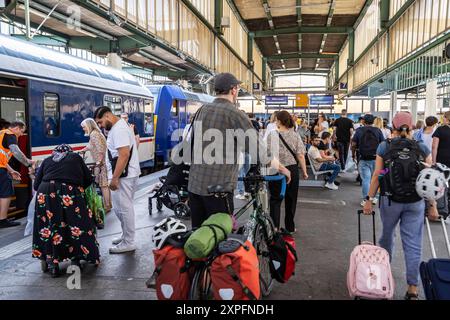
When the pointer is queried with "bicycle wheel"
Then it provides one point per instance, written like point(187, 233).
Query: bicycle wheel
point(262, 250)
point(201, 285)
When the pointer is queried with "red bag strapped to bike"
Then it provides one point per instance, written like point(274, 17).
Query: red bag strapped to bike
point(173, 270)
point(235, 271)
point(283, 256)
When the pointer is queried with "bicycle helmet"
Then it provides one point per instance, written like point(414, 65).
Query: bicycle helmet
point(444, 169)
point(431, 184)
point(165, 229)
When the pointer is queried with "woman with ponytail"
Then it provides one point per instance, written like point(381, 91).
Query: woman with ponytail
point(400, 204)
point(289, 147)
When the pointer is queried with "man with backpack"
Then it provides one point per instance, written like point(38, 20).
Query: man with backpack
point(366, 141)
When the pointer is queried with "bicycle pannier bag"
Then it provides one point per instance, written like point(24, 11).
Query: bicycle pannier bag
point(235, 275)
point(173, 273)
point(283, 256)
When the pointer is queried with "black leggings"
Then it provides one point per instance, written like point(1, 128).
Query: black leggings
point(343, 153)
point(290, 200)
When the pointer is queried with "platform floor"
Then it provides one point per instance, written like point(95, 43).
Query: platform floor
point(327, 232)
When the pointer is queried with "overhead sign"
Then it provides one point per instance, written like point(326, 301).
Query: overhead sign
point(343, 86)
point(301, 100)
point(257, 86)
point(277, 100)
point(321, 100)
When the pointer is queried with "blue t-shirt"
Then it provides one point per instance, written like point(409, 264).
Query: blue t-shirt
point(382, 149)
point(359, 132)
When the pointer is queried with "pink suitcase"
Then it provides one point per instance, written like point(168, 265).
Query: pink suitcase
point(369, 275)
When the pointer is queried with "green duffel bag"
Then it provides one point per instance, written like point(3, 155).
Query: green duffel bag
point(203, 240)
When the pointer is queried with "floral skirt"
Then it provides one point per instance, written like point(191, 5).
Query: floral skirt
point(64, 228)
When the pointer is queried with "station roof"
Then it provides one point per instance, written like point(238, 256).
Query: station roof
point(97, 32)
point(25, 59)
point(275, 21)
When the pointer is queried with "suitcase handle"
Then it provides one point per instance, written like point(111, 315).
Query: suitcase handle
point(430, 237)
point(360, 212)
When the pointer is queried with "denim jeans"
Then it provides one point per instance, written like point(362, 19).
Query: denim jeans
point(366, 170)
point(410, 216)
point(331, 166)
point(242, 173)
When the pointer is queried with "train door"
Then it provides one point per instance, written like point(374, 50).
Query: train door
point(13, 107)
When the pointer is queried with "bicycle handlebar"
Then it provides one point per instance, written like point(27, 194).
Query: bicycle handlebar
point(278, 177)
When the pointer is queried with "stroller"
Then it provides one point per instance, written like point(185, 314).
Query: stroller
point(172, 192)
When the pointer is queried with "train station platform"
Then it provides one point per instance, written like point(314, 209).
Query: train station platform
point(327, 232)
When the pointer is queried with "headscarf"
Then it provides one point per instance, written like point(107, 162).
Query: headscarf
point(60, 152)
point(91, 125)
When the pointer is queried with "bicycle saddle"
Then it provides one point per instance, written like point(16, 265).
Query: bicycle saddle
point(232, 243)
point(163, 179)
point(219, 189)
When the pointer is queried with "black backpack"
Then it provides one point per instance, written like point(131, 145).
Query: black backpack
point(368, 144)
point(402, 163)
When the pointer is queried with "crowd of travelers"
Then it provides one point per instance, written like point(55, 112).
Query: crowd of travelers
point(63, 223)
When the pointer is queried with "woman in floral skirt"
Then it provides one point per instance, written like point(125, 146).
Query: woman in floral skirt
point(64, 228)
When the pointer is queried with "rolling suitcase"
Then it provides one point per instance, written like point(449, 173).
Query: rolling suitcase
point(369, 275)
point(435, 273)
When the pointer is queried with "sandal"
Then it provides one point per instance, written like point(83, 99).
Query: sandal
point(411, 296)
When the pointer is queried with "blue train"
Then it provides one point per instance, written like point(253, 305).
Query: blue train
point(53, 92)
point(174, 108)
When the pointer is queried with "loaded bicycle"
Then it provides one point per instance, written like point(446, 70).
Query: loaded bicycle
point(259, 230)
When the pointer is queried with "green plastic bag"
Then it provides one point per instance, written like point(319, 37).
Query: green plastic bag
point(215, 229)
point(95, 203)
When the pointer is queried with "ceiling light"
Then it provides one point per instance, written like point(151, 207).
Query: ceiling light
point(271, 23)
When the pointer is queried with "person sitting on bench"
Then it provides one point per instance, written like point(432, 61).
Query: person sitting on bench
point(323, 162)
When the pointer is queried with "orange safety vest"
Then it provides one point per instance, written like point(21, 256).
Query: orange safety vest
point(5, 154)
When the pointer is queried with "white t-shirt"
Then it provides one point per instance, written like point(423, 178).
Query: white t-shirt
point(325, 127)
point(428, 139)
point(314, 154)
point(119, 136)
point(270, 127)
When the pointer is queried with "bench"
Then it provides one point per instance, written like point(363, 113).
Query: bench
point(317, 173)
point(315, 182)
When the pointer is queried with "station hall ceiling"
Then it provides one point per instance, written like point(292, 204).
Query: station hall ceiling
point(262, 16)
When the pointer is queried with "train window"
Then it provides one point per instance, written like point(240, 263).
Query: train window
point(175, 108)
point(114, 103)
point(52, 115)
point(149, 125)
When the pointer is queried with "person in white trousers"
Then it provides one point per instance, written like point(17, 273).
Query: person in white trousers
point(123, 175)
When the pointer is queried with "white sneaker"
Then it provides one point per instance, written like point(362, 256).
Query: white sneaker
point(241, 197)
point(363, 203)
point(116, 241)
point(122, 248)
point(331, 186)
